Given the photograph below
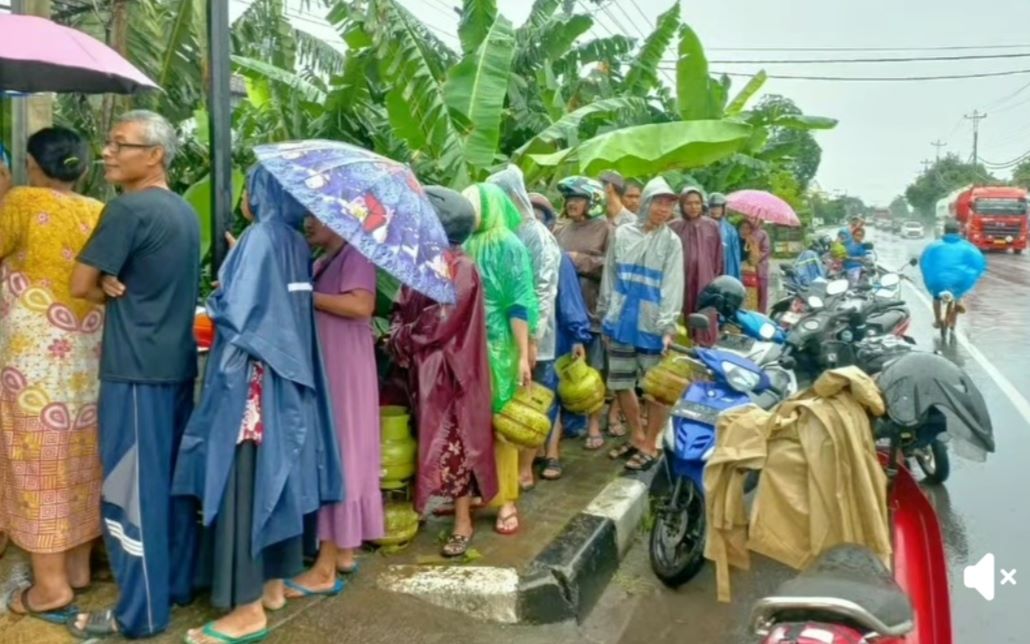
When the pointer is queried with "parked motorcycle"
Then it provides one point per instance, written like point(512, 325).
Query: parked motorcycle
point(848, 595)
point(731, 380)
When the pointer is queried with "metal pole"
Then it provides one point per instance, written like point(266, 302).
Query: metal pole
point(19, 121)
point(976, 117)
point(220, 123)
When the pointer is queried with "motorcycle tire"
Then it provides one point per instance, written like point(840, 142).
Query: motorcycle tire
point(677, 542)
point(934, 462)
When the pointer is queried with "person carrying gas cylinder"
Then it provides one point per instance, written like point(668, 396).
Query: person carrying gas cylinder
point(953, 265)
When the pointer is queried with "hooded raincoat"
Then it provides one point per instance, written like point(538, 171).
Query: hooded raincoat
point(444, 350)
point(952, 264)
point(702, 262)
point(263, 312)
point(642, 286)
point(544, 255)
point(730, 248)
point(508, 294)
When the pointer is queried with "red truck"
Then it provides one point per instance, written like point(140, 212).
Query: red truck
point(992, 217)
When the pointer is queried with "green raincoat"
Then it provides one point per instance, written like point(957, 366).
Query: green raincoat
point(507, 275)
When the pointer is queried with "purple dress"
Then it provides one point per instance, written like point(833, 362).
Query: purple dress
point(348, 348)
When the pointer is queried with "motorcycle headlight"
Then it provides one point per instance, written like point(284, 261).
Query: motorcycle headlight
point(740, 378)
point(815, 302)
point(811, 325)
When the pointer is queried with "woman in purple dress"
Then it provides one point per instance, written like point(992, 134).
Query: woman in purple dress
point(345, 287)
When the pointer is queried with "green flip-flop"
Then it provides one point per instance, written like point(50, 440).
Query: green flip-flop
point(336, 589)
point(209, 632)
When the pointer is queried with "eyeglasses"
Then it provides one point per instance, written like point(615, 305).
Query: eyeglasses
point(117, 146)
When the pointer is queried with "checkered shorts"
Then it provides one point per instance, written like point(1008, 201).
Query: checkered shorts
point(627, 364)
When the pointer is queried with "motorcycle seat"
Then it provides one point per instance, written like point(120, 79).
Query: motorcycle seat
point(847, 581)
point(886, 322)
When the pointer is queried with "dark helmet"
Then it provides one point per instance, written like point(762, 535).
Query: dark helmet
point(951, 227)
point(716, 199)
point(455, 212)
point(917, 383)
point(725, 294)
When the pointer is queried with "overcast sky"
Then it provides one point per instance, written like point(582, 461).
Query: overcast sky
point(885, 127)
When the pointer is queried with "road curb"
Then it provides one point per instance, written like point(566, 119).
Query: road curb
point(562, 583)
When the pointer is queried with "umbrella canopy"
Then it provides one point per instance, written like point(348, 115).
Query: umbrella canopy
point(764, 205)
point(39, 55)
point(375, 203)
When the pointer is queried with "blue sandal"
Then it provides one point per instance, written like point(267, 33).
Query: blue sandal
point(307, 592)
point(59, 616)
point(210, 633)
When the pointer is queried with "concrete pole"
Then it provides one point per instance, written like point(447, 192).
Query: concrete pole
point(32, 113)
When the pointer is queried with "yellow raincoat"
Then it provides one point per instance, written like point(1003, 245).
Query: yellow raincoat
point(821, 484)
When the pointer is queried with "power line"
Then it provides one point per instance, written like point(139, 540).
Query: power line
point(883, 79)
point(939, 48)
point(836, 61)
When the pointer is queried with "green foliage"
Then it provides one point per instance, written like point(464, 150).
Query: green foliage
point(643, 72)
point(699, 96)
point(1021, 175)
point(944, 176)
point(899, 208)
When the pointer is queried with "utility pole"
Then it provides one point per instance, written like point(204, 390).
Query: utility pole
point(926, 165)
point(938, 144)
point(976, 117)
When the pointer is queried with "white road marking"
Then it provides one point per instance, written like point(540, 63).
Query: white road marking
point(1017, 399)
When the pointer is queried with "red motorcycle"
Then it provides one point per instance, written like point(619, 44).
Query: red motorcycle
point(848, 596)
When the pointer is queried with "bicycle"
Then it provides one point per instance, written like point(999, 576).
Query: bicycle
point(950, 311)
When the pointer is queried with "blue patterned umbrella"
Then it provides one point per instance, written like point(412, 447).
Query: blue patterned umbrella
point(375, 203)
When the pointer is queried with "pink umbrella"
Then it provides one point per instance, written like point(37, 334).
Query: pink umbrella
point(39, 55)
point(763, 205)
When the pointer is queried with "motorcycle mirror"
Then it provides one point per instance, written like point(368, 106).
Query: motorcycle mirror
point(836, 287)
point(698, 321)
point(913, 262)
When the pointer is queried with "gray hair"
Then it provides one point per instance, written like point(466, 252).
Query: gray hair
point(157, 131)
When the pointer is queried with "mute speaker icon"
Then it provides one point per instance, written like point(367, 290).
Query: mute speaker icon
point(980, 576)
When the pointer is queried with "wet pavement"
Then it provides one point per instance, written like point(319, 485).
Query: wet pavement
point(981, 510)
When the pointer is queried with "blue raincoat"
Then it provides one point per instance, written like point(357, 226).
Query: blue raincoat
point(809, 267)
point(855, 250)
point(952, 264)
point(263, 311)
point(730, 248)
point(572, 327)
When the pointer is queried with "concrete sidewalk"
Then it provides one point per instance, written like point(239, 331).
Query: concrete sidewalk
point(573, 534)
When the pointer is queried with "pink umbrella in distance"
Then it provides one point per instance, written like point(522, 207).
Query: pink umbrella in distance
point(763, 205)
point(39, 55)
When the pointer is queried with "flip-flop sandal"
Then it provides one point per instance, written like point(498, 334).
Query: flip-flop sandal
point(641, 462)
point(616, 429)
point(625, 450)
point(210, 633)
point(98, 624)
point(303, 592)
point(593, 443)
point(505, 519)
point(553, 465)
point(350, 570)
point(59, 616)
point(456, 546)
point(527, 487)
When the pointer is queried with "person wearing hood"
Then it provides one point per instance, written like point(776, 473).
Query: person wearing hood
point(444, 350)
point(545, 257)
point(512, 318)
point(730, 237)
point(951, 264)
point(344, 300)
point(641, 297)
point(260, 452)
point(702, 255)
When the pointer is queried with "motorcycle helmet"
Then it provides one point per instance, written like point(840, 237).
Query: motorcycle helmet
point(716, 199)
point(917, 383)
point(725, 294)
point(585, 188)
point(456, 214)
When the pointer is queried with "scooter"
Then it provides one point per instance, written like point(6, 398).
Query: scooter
point(677, 538)
point(848, 596)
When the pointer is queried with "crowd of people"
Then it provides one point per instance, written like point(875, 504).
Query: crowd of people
point(101, 432)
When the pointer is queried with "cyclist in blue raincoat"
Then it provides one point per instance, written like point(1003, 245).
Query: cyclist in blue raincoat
point(953, 265)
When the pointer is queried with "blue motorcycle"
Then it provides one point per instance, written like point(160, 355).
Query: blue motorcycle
point(732, 380)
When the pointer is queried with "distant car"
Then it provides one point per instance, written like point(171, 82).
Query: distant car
point(913, 230)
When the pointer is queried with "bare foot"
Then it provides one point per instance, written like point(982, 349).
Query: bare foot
point(314, 580)
point(274, 595)
point(345, 562)
point(245, 620)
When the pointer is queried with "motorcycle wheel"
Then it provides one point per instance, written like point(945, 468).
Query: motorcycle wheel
point(934, 461)
point(677, 541)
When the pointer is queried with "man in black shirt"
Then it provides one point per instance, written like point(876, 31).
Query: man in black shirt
point(143, 262)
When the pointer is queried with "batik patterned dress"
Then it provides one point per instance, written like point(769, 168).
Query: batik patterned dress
point(50, 474)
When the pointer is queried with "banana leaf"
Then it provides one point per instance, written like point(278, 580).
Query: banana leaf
point(199, 196)
point(736, 106)
point(477, 18)
point(647, 150)
point(805, 122)
point(697, 95)
point(643, 73)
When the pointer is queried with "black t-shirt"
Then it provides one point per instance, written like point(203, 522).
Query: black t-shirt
point(150, 241)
